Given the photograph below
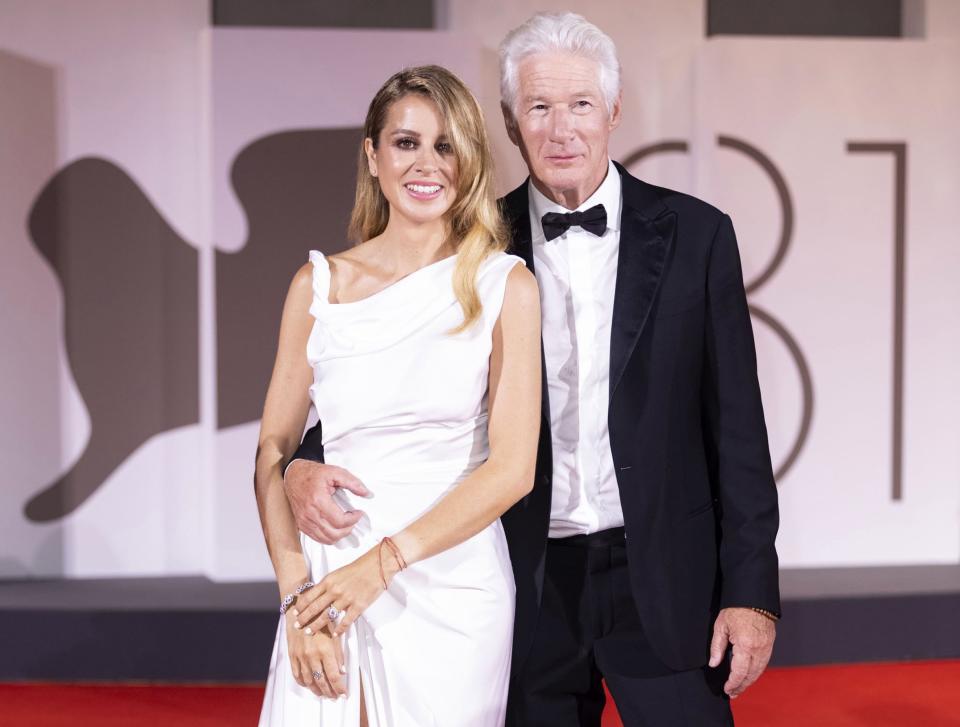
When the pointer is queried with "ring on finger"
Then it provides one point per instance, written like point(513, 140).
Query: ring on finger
point(318, 674)
point(333, 613)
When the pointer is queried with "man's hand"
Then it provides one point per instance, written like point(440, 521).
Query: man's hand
point(310, 487)
point(752, 635)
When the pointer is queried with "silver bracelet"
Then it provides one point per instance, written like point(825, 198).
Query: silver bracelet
point(289, 599)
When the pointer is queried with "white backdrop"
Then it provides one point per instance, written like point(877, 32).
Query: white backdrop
point(802, 103)
point(151, 89)
point(121, 81)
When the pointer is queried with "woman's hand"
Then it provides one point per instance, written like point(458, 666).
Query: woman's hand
point(350, 590)
point(318, 654)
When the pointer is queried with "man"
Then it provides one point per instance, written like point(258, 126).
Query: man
point(646, 547)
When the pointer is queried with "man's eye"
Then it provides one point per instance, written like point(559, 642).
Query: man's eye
point(539, 107)
point(583, 104)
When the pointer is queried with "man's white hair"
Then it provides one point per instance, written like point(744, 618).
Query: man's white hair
point(558, 33)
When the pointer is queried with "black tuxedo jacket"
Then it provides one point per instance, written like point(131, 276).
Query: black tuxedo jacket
point(686, 426)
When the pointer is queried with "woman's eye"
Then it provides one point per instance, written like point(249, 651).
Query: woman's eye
point(406, 143)
point(445, 148)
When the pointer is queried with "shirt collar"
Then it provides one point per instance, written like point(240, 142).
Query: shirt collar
point(608, 194)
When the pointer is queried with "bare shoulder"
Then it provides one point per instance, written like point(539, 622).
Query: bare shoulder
point(520, 310)
point(302, 283)
point(300, 293)
point(521, 291)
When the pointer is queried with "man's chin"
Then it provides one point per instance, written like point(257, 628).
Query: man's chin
point(563, 180)
point(572, 166)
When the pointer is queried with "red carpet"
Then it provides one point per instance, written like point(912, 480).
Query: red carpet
point(922, 694)
point(918, 694)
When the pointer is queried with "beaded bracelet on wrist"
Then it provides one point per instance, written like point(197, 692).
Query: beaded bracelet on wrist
point(764, 612)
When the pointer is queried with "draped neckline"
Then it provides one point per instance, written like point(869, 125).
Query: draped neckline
point(399, 283)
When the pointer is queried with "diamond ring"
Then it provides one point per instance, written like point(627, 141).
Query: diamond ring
point(333, 613)
point(318, 675)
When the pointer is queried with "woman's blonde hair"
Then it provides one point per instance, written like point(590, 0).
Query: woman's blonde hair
point(476, 227)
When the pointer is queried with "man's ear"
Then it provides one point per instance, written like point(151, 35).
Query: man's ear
point(371, 156)
point(617, 111)
point(511, 123)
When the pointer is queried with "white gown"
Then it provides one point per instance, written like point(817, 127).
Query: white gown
point(404, 408)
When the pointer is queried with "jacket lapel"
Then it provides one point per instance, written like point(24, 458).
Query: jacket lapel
point(647, 230)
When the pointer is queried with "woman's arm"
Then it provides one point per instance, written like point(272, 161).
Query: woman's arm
point(284, 416)
point(505, 477)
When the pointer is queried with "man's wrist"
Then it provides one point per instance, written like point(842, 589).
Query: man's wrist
point(764, 612)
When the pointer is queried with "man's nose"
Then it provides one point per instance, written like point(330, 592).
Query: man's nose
point(561, 127)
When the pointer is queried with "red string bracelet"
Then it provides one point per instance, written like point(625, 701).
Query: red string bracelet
point(396, 554)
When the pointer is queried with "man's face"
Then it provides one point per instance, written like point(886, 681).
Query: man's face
point(562, 125)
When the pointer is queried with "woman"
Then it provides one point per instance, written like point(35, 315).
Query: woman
point(423, 361)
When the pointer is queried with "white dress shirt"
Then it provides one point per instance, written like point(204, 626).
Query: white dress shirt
point(577, 274)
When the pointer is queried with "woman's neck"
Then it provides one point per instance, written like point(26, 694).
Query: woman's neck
point(407, 246)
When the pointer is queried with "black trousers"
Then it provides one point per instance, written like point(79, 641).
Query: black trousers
point(588, 631)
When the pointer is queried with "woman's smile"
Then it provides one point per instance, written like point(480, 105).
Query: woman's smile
point(424, 190)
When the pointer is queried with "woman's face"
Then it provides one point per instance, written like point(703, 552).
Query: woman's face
point(414, 160)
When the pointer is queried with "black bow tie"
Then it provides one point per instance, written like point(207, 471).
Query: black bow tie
point(592, 220)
